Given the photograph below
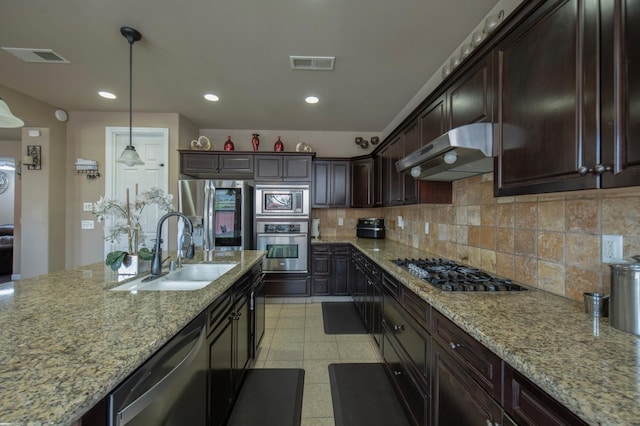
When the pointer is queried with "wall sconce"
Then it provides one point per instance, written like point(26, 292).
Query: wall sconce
point(33, 159)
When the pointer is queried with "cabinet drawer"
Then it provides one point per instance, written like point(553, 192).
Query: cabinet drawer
point(341, 250)
point(415, 341)
point(219, 310)
point(483, 365)
point(414, 398)
point(320, 249)
point(530, 405)
point(391, 285)
point(417, 307)
point(320, 286)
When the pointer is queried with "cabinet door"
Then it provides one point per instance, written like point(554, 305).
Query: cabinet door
point(362, 183)
point(410, 143)
point(384, 175)
point(433, 121)
point(470, 99)
point(321, 183)
point(621, 92)
point(235, 164)
point(268, 167)
point(396, 180)
point(243, 338)
point(340, 271)
point(457, 398)
point(340, 179)
point(548, 108)
point(296, 168)
point(194, 164)
point(221, 389)
point(321, 285)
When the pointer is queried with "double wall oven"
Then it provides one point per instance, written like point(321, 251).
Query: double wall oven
point(282, 227)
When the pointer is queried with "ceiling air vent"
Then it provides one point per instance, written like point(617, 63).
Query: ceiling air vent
point(36, 55)
point(312, 63)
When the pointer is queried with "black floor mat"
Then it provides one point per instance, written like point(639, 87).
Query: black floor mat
point(269, 397)
point(342, 318)
point(363, 396)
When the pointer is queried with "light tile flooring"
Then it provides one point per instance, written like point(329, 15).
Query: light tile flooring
point(294, 338)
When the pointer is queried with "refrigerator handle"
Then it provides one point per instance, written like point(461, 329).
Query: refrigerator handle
point(209, 217)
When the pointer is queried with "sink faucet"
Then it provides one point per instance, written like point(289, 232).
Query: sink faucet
point(156, 263)
point(190, 248)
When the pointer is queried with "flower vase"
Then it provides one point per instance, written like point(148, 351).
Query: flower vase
point(133, 265)
point(228, 145)
point(279, 146)
point(255, 141)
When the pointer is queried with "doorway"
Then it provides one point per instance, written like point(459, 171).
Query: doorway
point(7, 216)
point(152, 144)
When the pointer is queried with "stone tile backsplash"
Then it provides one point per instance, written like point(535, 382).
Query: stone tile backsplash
point(550, 241)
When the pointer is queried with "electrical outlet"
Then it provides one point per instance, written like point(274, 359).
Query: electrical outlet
point(340, 221)
point(88, 224)
point(400, 222)
point(87, 207)
point(612, 248)
point(426, 228)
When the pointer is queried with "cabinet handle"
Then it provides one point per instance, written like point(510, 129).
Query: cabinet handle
point(454, 346)
point(598, 169)
point(397, 373)
point(490, 423)
point(398, 327)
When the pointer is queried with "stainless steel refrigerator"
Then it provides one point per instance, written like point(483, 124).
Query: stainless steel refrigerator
point(220, 210)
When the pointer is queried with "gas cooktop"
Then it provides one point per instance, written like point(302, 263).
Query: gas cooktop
point(451, 276)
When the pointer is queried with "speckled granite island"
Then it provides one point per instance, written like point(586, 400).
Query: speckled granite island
point(66, 340)
point(584, 363)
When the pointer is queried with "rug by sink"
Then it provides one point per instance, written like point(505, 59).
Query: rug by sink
point(342, 318)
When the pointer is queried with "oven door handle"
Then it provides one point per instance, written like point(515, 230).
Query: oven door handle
point(282, 235)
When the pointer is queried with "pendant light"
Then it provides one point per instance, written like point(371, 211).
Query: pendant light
point(7, 119)
point(129, 156)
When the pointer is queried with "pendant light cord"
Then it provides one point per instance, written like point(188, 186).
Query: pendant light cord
point(130, 92)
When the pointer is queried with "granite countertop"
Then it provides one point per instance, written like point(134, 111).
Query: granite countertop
point(586, 364)
point(66, 341)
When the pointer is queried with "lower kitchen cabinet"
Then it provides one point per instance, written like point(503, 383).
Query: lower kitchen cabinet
point(366, 290)
point(329, 269)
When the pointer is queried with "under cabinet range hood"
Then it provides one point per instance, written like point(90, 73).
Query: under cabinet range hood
point(461, 152)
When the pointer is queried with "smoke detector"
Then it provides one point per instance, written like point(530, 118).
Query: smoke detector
point(312, 63)
point(36, 55)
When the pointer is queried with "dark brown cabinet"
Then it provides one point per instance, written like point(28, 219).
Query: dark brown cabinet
point(470, 98)
point(548, 104)
point(331, 183)
point(286, 285)
point(528, 405)
point(292, 167)
point(410, 143)
point(329, 269)
point(211, 165)
point(363, 182)
point(620, 60)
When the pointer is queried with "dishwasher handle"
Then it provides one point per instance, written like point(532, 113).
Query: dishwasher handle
point(130, 411)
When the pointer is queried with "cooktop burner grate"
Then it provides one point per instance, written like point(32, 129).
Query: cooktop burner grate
point(451, 276)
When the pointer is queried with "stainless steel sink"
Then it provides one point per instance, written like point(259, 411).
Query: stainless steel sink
point(188, 278)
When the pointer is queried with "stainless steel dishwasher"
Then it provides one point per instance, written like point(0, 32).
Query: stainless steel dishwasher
point(170, 388)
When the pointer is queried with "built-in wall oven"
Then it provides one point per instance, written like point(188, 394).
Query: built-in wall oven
point(286, 244)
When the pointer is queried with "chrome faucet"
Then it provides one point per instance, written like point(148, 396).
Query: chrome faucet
point(156, 263)
point(190, 248)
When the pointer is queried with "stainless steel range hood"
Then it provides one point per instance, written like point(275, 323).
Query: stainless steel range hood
point(461, 152)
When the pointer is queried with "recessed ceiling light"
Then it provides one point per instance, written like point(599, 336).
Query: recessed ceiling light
point(107, 95)
point(311, 100)
point(211, 97)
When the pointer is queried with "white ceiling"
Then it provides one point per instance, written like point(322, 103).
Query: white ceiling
point(238, 49)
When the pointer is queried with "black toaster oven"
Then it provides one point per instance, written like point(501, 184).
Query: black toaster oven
point(370, 227)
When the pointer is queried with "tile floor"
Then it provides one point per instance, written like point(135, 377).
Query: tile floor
point(294, 338)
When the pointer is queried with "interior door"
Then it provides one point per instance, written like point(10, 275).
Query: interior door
point(152, 146)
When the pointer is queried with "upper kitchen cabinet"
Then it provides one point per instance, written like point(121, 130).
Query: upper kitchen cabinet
point(433, 120)
point(469, 99)
point(205, 164)
point(363, 182)
point(293, 167)
point(620, 93)
point(548, 103)
point(331, 183)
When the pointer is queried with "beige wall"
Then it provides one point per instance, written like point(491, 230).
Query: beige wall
point(549, 241)
point(86, 139)
point(39, 115)
point(325, 144)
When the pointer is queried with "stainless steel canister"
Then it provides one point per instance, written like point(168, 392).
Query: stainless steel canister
point(624, 303)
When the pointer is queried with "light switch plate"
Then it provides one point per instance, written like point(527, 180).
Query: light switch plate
point(87, 207)
point(88, 224)
point(426, 228)
point(340, 221)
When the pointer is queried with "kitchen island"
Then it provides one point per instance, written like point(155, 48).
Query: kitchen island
point(584, 363)
point(66, 341)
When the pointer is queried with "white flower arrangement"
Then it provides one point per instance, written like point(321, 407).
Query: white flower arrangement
point(124, 218)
